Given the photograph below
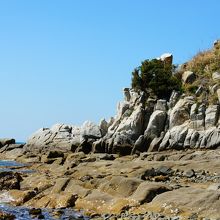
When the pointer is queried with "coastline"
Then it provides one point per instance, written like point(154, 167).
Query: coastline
point(128, 186)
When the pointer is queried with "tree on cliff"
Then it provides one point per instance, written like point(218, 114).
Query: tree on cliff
point(156, 76)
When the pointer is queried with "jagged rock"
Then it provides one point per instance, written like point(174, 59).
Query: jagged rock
point(139, 145)
point(127, 95)
point(156, 123)
point(133, 123)
point(174, 97)
point(197, 116)
point(212, 115)
point(103, 127)
point(155, 143)
point(174, 138)
point(188, 77)
point(181, 111)
point(63, 137)
point(161, 105)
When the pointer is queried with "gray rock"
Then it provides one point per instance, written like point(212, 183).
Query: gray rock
point(103, 127)
point(161, 105)
point(62, 137)
point(127, 95)
point(181, 111)
point(212, 115)
point(188, 77)
point(156, 123)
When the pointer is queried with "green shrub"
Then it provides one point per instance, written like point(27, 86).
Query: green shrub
point(156, 76)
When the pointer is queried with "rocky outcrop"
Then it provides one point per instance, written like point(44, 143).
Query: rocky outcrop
point(188, 77)
point(144, 123)
point(141, 124)
point(65, 138)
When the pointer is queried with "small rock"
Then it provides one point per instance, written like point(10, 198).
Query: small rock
point(34, 211)
point(189, 173)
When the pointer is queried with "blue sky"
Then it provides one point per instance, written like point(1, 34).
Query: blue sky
point(67, 61)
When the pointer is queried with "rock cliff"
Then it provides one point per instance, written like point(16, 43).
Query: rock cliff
point(145, 123)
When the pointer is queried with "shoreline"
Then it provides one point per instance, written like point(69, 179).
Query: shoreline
point(102, 184)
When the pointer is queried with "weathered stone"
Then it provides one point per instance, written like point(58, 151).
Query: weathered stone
point(127, 95)
point(103, 127)
point(147, 191)
point(188, 77)
point(181, 111)
point(212, 115)
point(120, 186)
point(161, 105)
point(156, 123)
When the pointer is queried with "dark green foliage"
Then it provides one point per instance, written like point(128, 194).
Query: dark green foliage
point(156, 76)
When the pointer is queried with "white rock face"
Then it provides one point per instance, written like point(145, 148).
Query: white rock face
point(156, 123)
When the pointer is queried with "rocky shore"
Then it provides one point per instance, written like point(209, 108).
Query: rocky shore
point(156, 159)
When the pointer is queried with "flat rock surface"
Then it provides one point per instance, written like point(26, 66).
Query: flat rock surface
point(177, 184)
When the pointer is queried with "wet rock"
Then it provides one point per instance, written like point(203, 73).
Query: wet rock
point(10, 180)
point(6, 216)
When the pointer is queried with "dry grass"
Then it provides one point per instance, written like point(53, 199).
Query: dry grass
point(203, 64)
point(205, 61)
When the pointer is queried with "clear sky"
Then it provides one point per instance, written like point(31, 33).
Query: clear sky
point(66, 61)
